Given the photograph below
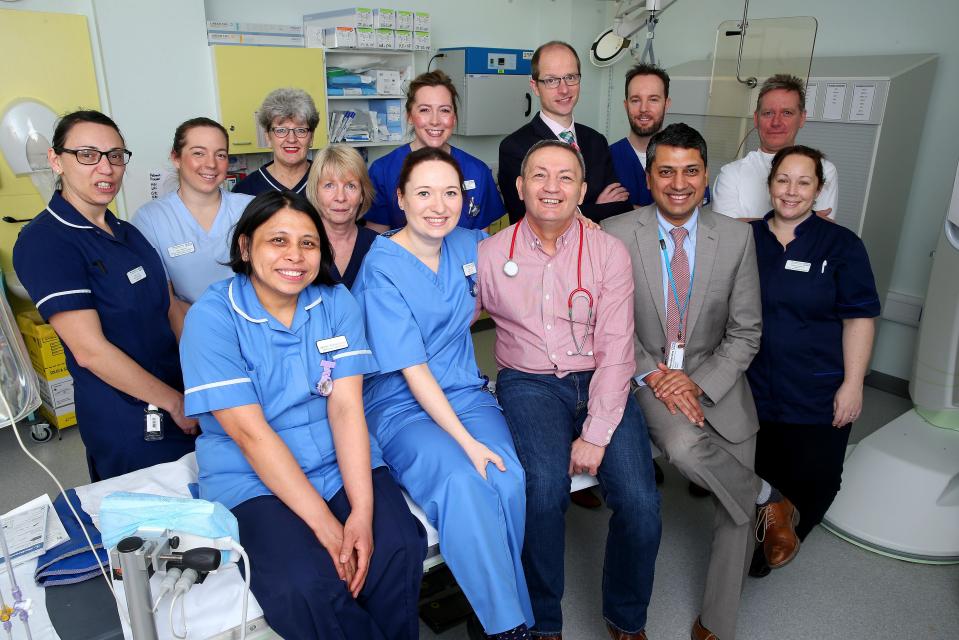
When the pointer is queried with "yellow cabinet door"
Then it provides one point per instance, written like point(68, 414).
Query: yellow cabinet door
point(245, 75)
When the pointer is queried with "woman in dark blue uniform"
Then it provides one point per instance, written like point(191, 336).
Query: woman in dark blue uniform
point(431, 112)
point(819, 307)
point(101, 285)
point(289, 118)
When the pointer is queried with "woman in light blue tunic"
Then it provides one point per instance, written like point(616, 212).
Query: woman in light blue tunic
point(191, 227)
point(439, 427)
point(274, 359)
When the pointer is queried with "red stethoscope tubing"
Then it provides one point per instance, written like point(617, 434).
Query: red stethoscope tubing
point(579, 272)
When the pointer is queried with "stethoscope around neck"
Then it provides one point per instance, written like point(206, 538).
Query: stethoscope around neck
point(511, 269)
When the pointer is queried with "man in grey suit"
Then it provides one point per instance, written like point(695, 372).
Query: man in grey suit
point(698, 324)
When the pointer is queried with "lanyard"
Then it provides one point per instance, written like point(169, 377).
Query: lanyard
point(672, 283)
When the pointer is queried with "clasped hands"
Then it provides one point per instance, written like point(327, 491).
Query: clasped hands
point(677, 391)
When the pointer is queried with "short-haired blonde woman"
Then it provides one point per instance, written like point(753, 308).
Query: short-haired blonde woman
point(340, 189)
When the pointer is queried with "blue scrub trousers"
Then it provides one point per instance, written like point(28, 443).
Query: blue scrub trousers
point(480, 522)
point(546, 415)
point(296, 584)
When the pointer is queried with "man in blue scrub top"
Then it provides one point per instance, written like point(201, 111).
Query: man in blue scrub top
point(647, 101)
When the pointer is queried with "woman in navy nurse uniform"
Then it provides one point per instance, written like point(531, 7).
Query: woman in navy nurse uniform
point(101, 285)
point(289, 118)
point(443, 434)
point(819, 307)
point(431, 112)
point(273, 360)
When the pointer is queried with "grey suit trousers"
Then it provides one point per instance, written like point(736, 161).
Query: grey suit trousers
point(726, 469)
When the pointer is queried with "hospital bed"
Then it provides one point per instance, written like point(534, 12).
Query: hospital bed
point(88, 610)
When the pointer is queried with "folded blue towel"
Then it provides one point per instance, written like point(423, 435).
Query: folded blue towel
point(72, 561)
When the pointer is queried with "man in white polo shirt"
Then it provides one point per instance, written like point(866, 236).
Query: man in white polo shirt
point(741, 189)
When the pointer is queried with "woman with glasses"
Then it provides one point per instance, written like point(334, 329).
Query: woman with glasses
point(431, 113)
point(289, 117)
point(101, 285)
point(191, 227)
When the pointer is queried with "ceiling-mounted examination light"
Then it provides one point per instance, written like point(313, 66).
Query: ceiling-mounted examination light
point(631, 16)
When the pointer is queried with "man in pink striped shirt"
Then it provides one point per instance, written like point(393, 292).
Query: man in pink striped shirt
point(561, 295)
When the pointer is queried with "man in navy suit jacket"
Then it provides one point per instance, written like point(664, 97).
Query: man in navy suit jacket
point(555, 80)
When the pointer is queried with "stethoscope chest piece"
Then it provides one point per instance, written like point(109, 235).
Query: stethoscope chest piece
point(511, 268)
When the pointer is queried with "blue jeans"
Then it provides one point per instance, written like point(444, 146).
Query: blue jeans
point(545, 415)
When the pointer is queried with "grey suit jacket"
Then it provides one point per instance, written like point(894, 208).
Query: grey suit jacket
point(724, 321)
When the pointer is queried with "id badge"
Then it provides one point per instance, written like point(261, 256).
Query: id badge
point(153, 428)
point(674, 360)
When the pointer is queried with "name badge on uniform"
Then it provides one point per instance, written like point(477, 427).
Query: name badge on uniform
point(469, 269)
point(135, 275)
point(469, 184)
point(180, 249)
point(331, 344)
point(796, 265)
point(677, 351)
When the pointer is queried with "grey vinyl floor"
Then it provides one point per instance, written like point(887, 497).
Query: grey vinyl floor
point(833, 590)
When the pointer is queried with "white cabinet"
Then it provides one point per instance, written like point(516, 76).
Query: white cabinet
point(390, 106)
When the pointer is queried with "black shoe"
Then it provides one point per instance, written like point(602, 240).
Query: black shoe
point(697, 491)
point(759, 568)
point(658, 470)
point(474, 630)
point(586, 498)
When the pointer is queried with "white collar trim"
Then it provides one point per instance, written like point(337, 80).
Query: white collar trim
point(240, 311)
point(69, 224)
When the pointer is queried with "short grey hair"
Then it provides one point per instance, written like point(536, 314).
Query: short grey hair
point(288, 102)
point(786, 82)
point(542, 144)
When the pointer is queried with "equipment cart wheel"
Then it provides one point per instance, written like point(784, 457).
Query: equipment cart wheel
point(41, 432)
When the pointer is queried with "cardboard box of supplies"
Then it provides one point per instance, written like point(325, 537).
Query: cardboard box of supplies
point(57, 393)
point(59, 417)
point(384, 18)
point(43, 345)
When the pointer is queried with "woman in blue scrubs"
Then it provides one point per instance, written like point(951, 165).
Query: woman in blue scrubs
point(340, 189)
point(442, 432)
point(431, 112)
point(819, 307)
point(273, 361)
point(101, 285)
point(191, 227)
point(289, 118)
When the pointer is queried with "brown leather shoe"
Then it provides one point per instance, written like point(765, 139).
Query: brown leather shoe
point(586, 498)
point(616, 634)
point(699, 632)
point(776, 530)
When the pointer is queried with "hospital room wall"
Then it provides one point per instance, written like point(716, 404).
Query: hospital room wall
point(153, 69)
point(514, 24)
point(852, 29)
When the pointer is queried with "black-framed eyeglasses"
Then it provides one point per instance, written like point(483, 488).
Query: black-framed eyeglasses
point(571, 80)
point(116, 157)
point(282, 132)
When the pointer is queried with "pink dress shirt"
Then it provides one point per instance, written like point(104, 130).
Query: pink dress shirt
point(532, 319)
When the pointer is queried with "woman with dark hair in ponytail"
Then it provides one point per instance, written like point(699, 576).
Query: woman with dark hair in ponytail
point(101, 285)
